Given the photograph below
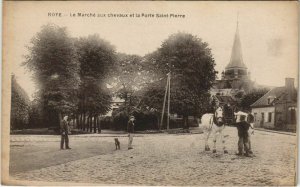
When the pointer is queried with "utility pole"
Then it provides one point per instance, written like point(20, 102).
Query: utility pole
point(164, 104)
point(169, 86)
point(167, 91)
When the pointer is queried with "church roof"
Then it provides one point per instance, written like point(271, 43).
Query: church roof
point(236, 60)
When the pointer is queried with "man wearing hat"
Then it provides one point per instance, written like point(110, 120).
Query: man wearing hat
point(64, 133)
point(130, 130)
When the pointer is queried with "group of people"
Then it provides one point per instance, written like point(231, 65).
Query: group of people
point(243, 122)
point(65, 130)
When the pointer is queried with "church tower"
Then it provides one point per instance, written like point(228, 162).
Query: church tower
point(236, 69)
point(235, 77)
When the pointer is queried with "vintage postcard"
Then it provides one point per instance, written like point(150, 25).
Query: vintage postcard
point(150, 93)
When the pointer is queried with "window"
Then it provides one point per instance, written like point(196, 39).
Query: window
point(262, 118)
point(293, 114)
point(270, 117)
point(255, 116)
point(270, 99)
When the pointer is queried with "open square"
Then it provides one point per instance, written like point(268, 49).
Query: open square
point(157, 159)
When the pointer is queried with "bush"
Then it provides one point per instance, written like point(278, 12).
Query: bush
point(145, 121)
point(120, 121)
point(106, 122)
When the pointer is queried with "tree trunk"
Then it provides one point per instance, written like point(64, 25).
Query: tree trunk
point(91, 124)
point(95, 123)
point(99, 124)
point(80, 121)
point(158, 125)
point(88, 123)
point(77, 121)
point(83, 122)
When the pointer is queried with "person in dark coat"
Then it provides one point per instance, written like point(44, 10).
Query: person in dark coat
point(243, 143)
point(130, 130)
point(64, 133)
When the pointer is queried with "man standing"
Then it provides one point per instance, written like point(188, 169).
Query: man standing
point(243, 143)
point(64, 133)
point(130, 130)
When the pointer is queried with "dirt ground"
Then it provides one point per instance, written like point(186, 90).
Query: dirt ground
point(157, 159)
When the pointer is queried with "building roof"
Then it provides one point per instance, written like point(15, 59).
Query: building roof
point(278, 94)
point(283, 97)
point(236, 60)
point(263, 101)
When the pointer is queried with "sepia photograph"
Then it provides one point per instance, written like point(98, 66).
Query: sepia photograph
point(150, 93)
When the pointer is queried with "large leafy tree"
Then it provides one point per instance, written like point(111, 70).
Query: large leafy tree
point(97, 58)
point(20, 106)
point(129, 78)
point(248, 99)
point(52, 59)
point(190, 62)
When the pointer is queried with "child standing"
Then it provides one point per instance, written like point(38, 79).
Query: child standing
point(130, 129)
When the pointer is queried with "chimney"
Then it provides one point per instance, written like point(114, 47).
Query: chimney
point(289, 86)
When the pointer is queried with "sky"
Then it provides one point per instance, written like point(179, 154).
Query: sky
point(268, 31)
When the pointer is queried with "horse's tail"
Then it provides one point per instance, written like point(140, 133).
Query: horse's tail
point(211, 120)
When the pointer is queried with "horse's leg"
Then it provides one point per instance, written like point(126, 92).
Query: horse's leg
point(223, 141)
point(215, 141)
point(206, 140)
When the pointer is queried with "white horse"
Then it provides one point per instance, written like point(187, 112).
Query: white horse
point(215, 127)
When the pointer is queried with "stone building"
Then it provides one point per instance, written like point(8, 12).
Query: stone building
point(115, 104)
point(277, 109)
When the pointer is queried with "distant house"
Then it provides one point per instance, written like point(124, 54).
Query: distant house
point(277, 108)
point(115, 104)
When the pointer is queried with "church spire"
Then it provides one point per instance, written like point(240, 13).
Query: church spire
point(236, 60)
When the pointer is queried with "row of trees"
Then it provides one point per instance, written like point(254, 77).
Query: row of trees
point(79, 76)
point(20, 105)
point(70, 75)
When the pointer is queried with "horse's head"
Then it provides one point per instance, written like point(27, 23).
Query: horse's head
point(219, 114)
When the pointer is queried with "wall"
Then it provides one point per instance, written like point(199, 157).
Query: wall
point(263, 123)
point(283, 116)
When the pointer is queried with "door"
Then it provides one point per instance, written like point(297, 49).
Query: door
point(262, 121)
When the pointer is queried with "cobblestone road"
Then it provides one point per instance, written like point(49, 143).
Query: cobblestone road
point(157, 159)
